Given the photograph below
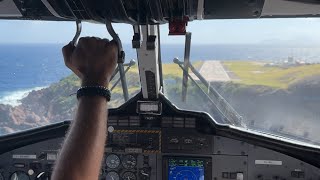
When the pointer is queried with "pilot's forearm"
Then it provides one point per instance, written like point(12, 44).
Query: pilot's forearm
point(83, 149)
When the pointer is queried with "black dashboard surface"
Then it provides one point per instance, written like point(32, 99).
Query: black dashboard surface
point(169, 146)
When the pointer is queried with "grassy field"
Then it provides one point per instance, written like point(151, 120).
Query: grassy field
point(171, 69)
point(254, 73)
point(248, 73)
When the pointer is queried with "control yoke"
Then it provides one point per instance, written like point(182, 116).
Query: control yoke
point(114, 35)
point(121, 58)
point(121, 55)
point(78, 32)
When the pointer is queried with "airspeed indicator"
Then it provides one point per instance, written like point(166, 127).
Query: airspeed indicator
point(128, 176)
point(129, 162)
point(112, 161)
point(112, 176)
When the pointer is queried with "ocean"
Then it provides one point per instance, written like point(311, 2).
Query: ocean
point(27, 67)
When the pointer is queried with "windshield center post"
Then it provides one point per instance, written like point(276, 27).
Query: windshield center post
point(148, 62)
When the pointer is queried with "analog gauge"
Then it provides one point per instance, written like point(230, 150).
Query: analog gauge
point(112, 176)
point(112, 161)
point(43, 176)
point(128, 176)
point(129, 161)
point(19, 175)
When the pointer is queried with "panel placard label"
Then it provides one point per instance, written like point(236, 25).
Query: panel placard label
point(24, 156)
point(52, 157)
point(268, 162)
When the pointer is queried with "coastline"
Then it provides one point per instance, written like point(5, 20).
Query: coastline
point(13, 98)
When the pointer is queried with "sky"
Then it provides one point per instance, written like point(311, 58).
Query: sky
point(254, 31)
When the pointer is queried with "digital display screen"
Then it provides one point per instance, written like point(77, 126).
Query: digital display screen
point(149, 107)
point(185, 169)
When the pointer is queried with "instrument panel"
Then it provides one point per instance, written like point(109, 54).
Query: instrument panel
point(176, 168)
point(179, 154)
point(177, 145)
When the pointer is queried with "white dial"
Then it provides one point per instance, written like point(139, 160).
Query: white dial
point(112, 176)
point(112, 161)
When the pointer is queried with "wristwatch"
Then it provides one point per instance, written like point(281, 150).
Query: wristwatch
point(94, 91)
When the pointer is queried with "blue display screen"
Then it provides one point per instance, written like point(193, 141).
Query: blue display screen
point(186, 169)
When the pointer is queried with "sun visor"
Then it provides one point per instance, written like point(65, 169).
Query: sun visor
point(9, 9)
point(232, 9)
point(154, 11)
point(291, 8)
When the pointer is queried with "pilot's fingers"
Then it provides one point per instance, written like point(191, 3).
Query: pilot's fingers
point(83, 40)
point(105, 40)
point(77, 72)
point(67, 53)
point(113, 45)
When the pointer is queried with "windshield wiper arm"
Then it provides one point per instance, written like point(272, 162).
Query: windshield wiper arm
point(186, 66)
point(225, 109)
point(229, 113)
point(129, 65)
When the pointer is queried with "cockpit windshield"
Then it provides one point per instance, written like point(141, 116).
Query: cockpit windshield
point(261, 75)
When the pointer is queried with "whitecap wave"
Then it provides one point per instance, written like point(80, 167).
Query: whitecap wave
point(13, 98)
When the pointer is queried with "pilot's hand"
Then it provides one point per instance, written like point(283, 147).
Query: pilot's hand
point(93, 60)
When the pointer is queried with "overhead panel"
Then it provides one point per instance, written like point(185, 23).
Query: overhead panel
point(283, 8)
point(154, 11)
point(9, 9)
point(231, 9)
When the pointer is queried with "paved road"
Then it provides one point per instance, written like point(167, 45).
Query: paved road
point(213, 71)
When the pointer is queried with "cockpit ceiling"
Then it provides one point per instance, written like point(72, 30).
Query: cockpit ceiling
point(155, 11)
point(289, 8)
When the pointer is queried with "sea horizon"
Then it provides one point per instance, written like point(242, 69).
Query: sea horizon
point(27, 67)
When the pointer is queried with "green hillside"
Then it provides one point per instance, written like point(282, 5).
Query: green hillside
point(254, 73)
point(69, 85)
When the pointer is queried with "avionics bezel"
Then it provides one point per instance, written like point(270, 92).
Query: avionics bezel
point(207, 165)
point(152, 112)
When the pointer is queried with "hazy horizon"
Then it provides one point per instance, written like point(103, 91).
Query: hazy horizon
point(246, 31)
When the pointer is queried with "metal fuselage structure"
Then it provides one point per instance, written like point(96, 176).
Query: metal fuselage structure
point(148, 136)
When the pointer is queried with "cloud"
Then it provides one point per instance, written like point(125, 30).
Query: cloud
point(39, 22)
point(312, 19)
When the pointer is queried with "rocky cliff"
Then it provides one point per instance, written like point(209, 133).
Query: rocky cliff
point(53, 104)
point(293, 111)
